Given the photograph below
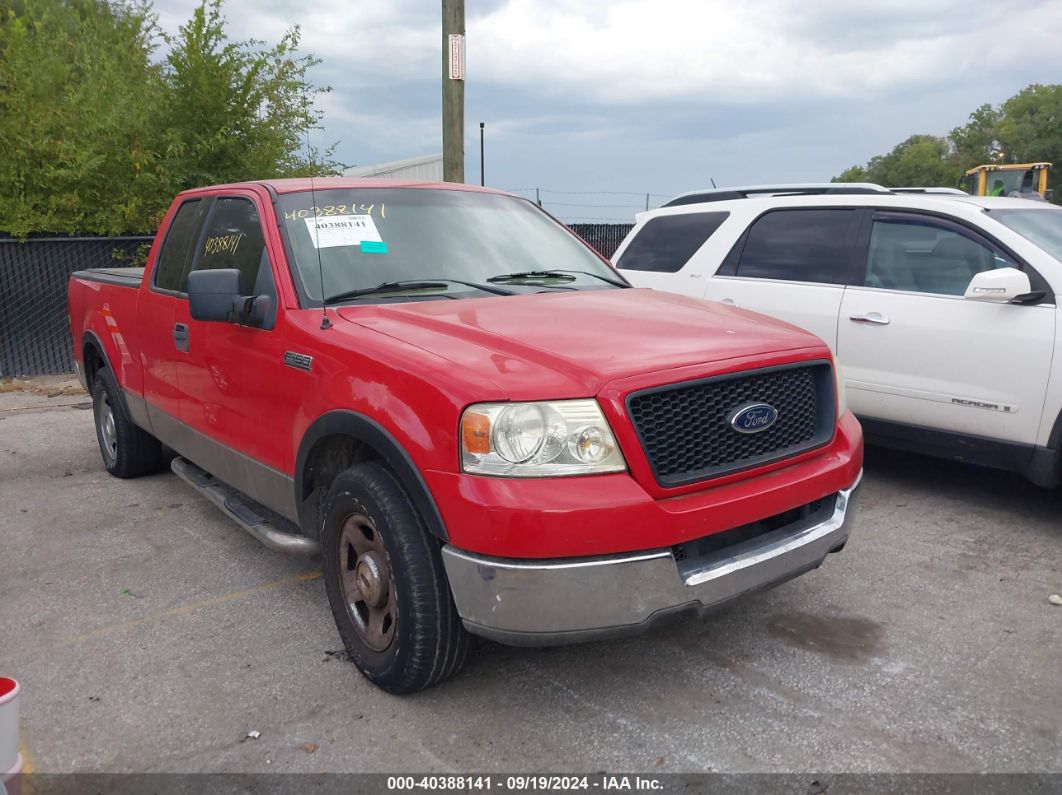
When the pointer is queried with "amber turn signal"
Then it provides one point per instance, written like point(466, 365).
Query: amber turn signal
point(475, 433)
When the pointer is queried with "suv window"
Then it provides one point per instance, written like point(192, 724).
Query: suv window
point(234, 239)
point(176, 253)
point(926, 255)
point(797, 245)
point(666, 243)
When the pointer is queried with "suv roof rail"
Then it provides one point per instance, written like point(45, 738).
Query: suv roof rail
point(795, 189)
point(930, 189)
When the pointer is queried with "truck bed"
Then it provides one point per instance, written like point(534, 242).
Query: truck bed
point(120, 277)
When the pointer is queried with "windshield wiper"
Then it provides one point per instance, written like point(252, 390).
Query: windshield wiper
point(555, 273)
point(412, 284)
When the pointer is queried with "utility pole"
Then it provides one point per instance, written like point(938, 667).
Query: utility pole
point(453, 90)
point(482, 179)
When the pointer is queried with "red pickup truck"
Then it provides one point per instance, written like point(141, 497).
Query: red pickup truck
point(473, 419)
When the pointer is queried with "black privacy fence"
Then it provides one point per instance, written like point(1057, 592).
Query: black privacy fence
point(603, 237)
point(34, 326)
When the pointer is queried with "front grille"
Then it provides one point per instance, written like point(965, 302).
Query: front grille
point(685, 428)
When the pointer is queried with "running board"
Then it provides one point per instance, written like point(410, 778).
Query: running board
point(271, 529)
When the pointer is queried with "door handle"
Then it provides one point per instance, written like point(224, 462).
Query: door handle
point(871, 317)
point(180, 336)
point(729, 302)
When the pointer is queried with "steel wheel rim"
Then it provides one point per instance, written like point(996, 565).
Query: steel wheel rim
point(367, 583)
point(108, 432)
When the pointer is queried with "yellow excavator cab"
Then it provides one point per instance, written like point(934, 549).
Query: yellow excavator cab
point(1007, 179)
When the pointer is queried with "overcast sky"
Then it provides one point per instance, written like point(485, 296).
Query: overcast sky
point(586, 97)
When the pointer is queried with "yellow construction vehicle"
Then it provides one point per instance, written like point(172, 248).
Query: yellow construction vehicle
point(1007, 179)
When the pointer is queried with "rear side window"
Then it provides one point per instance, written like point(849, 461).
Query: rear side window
point(234, 239)
point(797, 245)
point(176, 254)
point(667, 242)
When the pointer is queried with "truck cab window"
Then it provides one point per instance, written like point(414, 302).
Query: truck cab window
point(176, 253)
point(234, 239)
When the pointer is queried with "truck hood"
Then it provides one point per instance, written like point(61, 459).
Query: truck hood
point(569, 344)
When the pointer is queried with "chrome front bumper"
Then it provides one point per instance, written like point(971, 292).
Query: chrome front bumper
point(547, 602)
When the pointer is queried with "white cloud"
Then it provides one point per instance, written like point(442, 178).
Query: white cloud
point(659, 95)
point(625, 52)
point(719, 50)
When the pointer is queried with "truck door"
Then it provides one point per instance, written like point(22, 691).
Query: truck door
point(160, 339)
point(915, 352)
point(237, 400)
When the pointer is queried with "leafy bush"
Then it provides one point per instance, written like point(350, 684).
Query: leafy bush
point(97, 133)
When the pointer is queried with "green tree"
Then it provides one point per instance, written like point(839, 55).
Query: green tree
point(1030, 130)
point(77, 91)
point(97, 134)
point(920, 160)
point(1025, 128)
point(238, 110)
point(977, 141)
point(852, 174)
point(1030, 125)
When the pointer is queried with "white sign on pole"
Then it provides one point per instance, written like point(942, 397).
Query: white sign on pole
point(457, 56)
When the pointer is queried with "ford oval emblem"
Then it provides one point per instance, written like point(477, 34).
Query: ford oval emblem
point(753, 418)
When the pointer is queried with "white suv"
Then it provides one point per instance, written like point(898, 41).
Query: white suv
point(941, 307)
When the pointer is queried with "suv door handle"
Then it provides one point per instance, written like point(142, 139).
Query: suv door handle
point(871, 317)
point(180, 336)
point(729, 302)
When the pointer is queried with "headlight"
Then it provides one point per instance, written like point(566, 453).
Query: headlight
point(842, 398)
point(561, 437)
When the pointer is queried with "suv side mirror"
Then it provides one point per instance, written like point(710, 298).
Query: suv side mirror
point(1000, 286)
point(212, 294)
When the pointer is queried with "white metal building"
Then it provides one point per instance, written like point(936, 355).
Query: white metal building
point(427, 168)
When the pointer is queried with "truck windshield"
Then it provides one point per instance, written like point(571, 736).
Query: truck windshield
point(366, 238)
point(1042, 227)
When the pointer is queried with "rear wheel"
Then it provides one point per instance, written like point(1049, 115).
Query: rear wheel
point(128, 451)
point(386, 584)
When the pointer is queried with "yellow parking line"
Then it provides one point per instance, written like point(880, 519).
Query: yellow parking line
point(28, 765)
point(234, 596)
point(186, 609)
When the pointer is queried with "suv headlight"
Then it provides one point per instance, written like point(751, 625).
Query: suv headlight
point(547, 439)
point(842, 398)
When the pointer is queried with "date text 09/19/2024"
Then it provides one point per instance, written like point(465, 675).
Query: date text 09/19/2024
point(522, 783)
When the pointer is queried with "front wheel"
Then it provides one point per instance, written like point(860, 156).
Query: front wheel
point(386, 584)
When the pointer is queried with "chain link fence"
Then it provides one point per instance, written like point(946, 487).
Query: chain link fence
point(603, 237)
point(34, 325)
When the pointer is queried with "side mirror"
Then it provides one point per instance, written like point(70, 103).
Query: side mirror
point(999, 286)
point(212, 294)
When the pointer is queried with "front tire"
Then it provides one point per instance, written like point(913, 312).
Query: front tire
point(386, 584)
point(128, 451)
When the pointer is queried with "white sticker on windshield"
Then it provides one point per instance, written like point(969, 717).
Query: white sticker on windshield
point(327, 231)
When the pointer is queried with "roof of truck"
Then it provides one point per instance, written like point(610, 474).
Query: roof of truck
point(301, 184)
